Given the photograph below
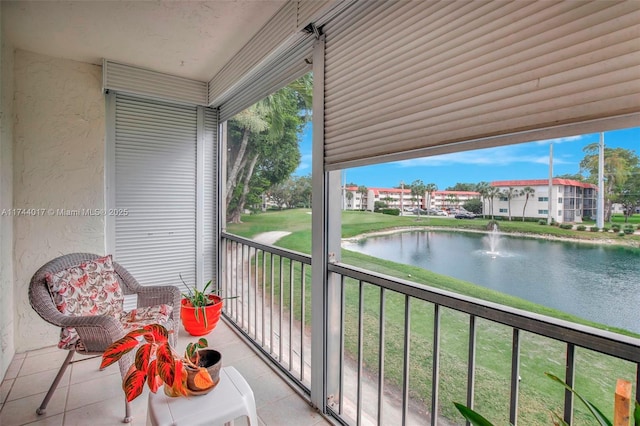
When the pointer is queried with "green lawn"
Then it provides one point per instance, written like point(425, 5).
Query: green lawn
point(596, 373)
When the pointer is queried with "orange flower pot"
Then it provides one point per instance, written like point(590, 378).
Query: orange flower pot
point(206, 319)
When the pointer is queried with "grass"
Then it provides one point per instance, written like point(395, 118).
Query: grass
point(596, 373)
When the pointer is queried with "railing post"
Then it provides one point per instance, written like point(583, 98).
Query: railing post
point(622, 406)
point(325, 248)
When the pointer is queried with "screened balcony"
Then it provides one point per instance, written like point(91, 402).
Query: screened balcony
point(122, 108)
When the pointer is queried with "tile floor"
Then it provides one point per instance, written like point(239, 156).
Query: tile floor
point(86, 396)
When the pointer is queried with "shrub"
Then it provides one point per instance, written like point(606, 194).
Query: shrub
point(621, 234)
point(566, 226)
point(594, 229)
point(605, 229)
point(615, 227)
point(542, 222)
point(581, 227)
point(392, 212)
point(628, 231)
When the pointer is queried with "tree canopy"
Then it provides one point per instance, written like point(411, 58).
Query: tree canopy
point(263, 146)
point(620, 168)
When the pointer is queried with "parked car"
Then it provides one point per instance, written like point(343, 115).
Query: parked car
point(465, 215)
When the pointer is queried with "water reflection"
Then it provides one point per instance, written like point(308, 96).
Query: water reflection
point(597, 283)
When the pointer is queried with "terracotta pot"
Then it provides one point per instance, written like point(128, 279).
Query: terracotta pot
point(202, 324)
point(212, 361)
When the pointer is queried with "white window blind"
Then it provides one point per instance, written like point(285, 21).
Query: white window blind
point(404, 79)
point(134, 80)
point(279, 53)
point(155, 181)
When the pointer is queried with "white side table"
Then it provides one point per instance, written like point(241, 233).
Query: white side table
point(230, 399)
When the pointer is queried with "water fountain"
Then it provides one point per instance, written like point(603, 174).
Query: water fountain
point(494, 240)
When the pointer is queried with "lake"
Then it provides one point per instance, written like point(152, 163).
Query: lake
point(598, 283)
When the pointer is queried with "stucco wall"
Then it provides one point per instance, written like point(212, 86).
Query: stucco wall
point(59, 148)
point(7, 347)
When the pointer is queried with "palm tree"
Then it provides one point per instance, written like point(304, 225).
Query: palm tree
point(349, 196)
point(509, 193)
point(362, 190)
point(527, 192)
point(430, 188)
point(492, 193)
point(483, 189)
point(417, 190)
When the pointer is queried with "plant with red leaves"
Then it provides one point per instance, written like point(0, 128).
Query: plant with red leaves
point(156, 362)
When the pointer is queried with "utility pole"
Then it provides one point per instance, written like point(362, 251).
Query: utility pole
point(600, 208)
point(344, 190)
point(401, 194)
point(550, 198)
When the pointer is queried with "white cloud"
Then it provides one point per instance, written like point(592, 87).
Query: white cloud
point(501, 156)
point(562, 140)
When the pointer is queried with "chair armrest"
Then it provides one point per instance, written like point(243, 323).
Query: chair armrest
point(97, 332)
point(159, 294)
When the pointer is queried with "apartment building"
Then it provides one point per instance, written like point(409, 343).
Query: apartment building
point(451, 200)
point(569, 200)
point(393, 197)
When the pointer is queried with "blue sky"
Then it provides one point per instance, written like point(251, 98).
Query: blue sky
point(522, 161)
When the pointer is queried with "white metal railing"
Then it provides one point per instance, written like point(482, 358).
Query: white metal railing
point(379, 345)
point(271, 302)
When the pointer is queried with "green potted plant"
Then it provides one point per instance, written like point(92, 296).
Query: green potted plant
point(157, 363)
point(200, 310)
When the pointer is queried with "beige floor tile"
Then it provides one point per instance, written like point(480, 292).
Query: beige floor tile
point(36, 383)
point(14, 368)
point(234, 352)
point(289, 409)
point(23, 411)
point(109, 412)
point(250, 367)
point(57, 420)
point(96, 390)
point(45, 350)
point(4, 389)
point(268, 389)
point(88, 368)
point(42, 362)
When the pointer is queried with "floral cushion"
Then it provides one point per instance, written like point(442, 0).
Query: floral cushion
point(91, 288)
point(140, 317)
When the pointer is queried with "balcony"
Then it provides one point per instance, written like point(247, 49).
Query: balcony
point(86, 396)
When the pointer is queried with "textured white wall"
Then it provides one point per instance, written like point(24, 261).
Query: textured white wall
point(59, 147)
point(7, 347)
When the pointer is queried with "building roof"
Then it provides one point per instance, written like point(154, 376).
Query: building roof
point(542, 182)
point(470, 193)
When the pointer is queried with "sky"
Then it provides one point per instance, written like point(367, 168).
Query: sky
point(521, 161)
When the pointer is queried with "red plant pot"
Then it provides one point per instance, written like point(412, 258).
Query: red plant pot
point(199, 326)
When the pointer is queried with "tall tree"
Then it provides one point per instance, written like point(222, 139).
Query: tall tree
point(526, 192)
point(483, 189)
point(417, 191)
point(430, 188)
point(263, 145)
point(628, 194)
point(509, 193)
point(349, 196)
point(363, 191)
point(492, 193)
point(618, 166)
point(462, 187)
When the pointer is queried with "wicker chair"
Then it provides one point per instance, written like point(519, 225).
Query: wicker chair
point(97, 332)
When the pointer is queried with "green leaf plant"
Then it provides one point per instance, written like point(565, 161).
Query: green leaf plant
point(200, 299)
point(478, 420)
